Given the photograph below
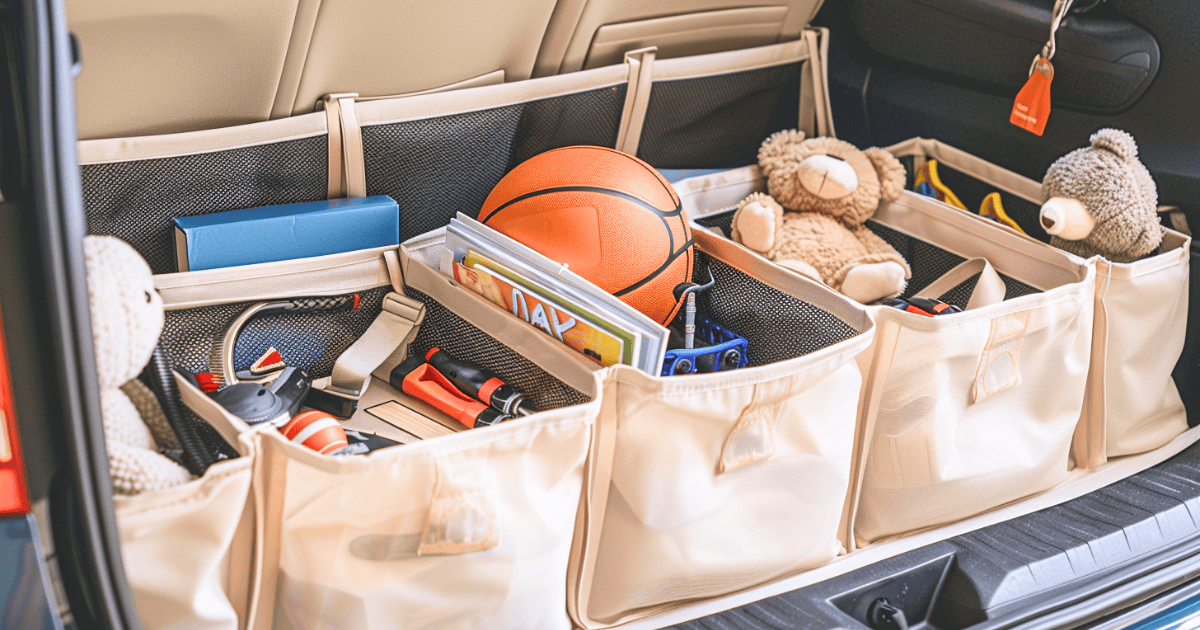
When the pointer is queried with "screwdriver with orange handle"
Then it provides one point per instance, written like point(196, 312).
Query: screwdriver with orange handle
point(422, 380)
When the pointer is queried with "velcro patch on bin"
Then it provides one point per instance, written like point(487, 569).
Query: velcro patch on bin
point(462, 517)
point(999, 367)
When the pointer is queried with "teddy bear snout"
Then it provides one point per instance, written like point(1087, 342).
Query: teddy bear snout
point(827, 177)
point(1066, 218)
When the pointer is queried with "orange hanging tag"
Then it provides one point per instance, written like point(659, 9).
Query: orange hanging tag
point(1032, 106)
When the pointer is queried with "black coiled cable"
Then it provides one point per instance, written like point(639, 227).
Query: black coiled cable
point(197, 456)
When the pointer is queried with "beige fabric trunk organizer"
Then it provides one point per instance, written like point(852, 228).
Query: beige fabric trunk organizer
point(1132, 404)
point(970, 411)
point(465, 530)
point(706, 484)
point(187, 550)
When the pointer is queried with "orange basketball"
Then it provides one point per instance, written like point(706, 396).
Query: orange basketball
point(608, 216)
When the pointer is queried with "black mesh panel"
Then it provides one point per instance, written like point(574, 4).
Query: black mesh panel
point(310, 341)
point(591, 118)
point(718, 121)
point(451, 333)
point(971, 191)
point(929, 262)
point(136, 201)
point(436, 167)
point(776, 325)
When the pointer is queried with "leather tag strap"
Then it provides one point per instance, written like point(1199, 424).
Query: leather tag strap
point(1176, 217)
point(347, 172)
point(990, 288)
point(637, 98)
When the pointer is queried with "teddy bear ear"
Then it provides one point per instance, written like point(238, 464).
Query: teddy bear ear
point(1116, 141)
point(778, 149)
point(892, 175)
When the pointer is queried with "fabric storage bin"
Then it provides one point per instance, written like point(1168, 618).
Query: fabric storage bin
point(1141, 313)
point(706, 484)
point(435, 154)
point(185, 549)
point(965, 412)
point(468, 530)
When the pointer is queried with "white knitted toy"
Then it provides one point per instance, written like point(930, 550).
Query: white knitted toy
point(127, 319)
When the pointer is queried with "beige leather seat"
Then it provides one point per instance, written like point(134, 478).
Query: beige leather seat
point(166, 66)
point(163, 66)
point(390, 47)
point(592, 33)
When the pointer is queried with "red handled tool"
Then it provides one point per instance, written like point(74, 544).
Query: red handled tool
point(421, 380)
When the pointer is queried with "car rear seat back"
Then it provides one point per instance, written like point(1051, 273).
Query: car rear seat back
point(167, 66)
point(587, 34)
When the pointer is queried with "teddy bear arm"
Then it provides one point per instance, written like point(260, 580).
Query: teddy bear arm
point(757, 224)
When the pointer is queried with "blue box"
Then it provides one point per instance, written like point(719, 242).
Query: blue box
point(285, 232)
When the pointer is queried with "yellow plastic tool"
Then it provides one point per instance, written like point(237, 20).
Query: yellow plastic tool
point(993, 209)
point(928, 174)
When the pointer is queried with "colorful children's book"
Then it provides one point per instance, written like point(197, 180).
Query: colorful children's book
point(511, 265)
point(600, 341)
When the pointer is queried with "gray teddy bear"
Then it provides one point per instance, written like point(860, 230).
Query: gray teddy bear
point(1101, 200)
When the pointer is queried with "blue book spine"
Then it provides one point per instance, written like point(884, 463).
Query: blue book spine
point(285, 232)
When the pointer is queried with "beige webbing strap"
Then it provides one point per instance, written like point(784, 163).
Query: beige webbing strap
point(347, 172)
point(637, 98)
point(379, 350)
point(990, 288)
point(814, 115)
point(806, 117)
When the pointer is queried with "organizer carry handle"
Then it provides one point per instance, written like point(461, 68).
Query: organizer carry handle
point(999, 363)
point(990, 288)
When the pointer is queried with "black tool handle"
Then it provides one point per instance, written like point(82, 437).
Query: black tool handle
point(310, 304)
point(471, 380)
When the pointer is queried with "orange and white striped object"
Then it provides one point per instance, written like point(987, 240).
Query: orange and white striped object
point(317, 430)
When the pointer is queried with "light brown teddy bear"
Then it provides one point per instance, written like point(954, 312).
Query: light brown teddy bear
point(1101, 200)
point(829, 188)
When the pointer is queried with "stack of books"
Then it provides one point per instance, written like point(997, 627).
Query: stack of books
point(548, 296)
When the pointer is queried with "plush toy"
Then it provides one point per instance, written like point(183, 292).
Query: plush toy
point(822, 191)
point(1101, 200)
point(127, 319)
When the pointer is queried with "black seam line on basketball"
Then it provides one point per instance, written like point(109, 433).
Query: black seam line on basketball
point(670, 233)
point(605, 191)
point(650, 276)
point(662, 181)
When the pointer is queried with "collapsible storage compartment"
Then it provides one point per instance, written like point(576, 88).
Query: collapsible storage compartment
point(706, 484)
point(969, 411)
point(467, 530)
point(354, 542)
point(186, 550)
point(1132, 403)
